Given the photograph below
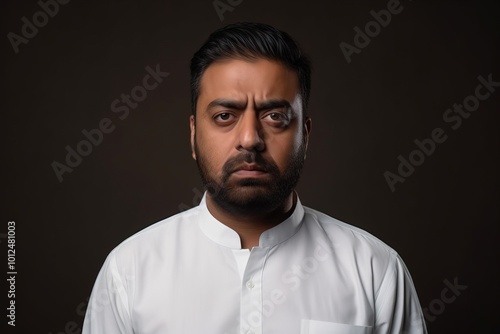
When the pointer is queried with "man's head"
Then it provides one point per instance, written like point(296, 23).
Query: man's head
point(250, 87)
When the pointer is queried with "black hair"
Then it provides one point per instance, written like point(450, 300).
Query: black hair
point(246, 40)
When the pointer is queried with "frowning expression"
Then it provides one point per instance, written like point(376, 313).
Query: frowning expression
point(249, 135)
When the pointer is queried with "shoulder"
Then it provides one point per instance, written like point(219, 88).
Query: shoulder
point(370, 263)
point(342, 234)
point(352, 248)
point(155, 239)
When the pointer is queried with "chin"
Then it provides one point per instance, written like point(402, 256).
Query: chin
point(249, 194)
point(249, 200)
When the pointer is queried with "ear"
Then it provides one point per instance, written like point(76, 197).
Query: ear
point(192, 125)
point(307, 131)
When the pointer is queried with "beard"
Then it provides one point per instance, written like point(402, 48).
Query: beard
point(251, 196)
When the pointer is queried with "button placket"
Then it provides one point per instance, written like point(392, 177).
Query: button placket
point(251, 293)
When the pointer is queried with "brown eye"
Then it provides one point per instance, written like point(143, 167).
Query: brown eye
point(277, 119)
point(224, 118)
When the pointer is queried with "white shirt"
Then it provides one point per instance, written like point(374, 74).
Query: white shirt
point(310, 274)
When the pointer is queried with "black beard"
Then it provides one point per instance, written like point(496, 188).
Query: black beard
point(250, 196)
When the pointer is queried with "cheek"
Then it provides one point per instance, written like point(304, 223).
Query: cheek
point(214, 150)
point(283, 149)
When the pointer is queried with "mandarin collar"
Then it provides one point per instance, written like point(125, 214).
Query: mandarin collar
point(227, 237)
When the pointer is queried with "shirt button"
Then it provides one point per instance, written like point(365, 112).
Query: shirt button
point(250, 285)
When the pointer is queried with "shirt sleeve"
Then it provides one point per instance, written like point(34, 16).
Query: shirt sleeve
point(397, 309)
point(107, 311)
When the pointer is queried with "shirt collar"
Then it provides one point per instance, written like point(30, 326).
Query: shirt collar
point(225, 236)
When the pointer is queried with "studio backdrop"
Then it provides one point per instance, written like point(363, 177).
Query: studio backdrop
point(95, 139)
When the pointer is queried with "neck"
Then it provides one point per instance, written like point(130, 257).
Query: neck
point(250, 227)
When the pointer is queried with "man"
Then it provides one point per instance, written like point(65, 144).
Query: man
point(250, 258)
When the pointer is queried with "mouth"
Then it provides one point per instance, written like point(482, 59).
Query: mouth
point(249, 170)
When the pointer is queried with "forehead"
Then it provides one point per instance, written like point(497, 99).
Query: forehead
point(256, 80)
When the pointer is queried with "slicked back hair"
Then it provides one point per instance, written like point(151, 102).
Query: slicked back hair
point(250, 41)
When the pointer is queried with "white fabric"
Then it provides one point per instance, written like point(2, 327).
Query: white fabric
point(310, 274)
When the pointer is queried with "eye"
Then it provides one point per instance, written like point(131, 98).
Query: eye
point(277, 118)
point(224, 117)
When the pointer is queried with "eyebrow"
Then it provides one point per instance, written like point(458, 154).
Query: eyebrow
point(273, 104)
point(231, 104)
point(265, 105)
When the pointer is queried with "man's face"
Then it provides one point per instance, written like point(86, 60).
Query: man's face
point(249, 137)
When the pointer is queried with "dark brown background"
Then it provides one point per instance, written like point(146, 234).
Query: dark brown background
point(442, 220)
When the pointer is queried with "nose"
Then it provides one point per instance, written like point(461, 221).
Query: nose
point(250, 133)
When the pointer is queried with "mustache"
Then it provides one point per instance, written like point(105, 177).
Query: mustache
point(250, 158)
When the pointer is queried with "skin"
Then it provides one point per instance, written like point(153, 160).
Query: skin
point(249, 109)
